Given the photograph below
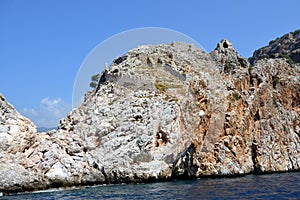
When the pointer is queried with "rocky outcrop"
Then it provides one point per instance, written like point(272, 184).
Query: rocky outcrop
point(287, 46)
point(17, 134)
point(163, 112)
point(12, 124)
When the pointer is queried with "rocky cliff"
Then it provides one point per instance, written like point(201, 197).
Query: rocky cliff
point(287, 46)
point(163, 112)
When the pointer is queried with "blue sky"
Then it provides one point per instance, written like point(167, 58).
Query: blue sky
point(43, 43)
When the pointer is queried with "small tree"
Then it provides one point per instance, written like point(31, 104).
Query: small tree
point(94, 80)
point(99, 78)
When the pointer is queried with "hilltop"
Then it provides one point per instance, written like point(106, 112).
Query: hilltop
point(287, 46)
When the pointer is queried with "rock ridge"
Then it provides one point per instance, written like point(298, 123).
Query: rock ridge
point(163, 112)
point(287, 46)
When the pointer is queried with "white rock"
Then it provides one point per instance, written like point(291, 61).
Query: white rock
point(201, 113)
point(57, 171)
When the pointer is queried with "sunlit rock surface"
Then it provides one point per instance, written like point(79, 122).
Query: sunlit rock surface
point(163, 112)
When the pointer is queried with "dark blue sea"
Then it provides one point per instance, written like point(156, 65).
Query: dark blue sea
point(270, 186)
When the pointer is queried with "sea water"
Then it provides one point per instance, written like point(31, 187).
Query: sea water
point(269, 186)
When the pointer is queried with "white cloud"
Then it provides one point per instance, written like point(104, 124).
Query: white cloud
point(49, 113)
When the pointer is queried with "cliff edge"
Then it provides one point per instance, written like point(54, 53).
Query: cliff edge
point(163, 112)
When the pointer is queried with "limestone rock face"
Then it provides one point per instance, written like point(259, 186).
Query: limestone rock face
point(12, 124)
point(17, 133)
point(163, 112)
point(145, 114)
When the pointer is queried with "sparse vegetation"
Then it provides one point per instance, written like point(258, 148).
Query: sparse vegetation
point(296, 32)
point(170, 98)
point(236, 96)
point(295, 46)
point(285, 56)
point(275, 81)
point(250, 68)
point(284, 128)
point(162, 87)
point(274, 101)
point(94, 80)
point(273, 41)
point(228, 66)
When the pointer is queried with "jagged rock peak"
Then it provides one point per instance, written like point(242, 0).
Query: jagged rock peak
point(15, 129)
point(228, 59)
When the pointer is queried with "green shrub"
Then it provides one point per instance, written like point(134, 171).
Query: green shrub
point(228, 66)
point(273, 41)
point(287, 57)
point(296, 32)
point(250, 68)
point(170, 98)
point(162, 87)
point(274, 101)
point(94, 80)
point(236, 96)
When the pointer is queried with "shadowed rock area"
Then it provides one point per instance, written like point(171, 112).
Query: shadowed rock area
point(163, 112)
point(287, 46)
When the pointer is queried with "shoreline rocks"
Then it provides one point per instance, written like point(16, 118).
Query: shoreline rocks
point(163, 112)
